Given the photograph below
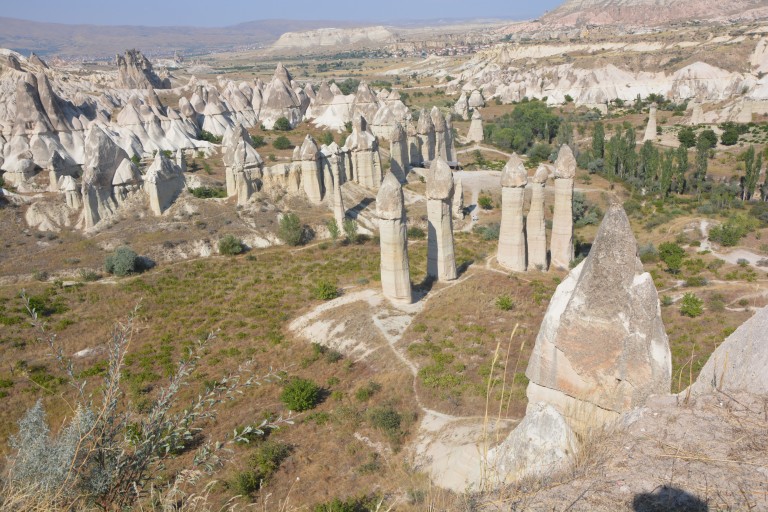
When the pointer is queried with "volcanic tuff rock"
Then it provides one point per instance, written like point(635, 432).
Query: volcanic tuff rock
point(739, 364)
point(602, 348)
point(134, 71)
point(561, 248)
point(441, 260)
point(280, 100)
point(646, 12)
point(511, 253)
point(390, 208)
point(163, 183)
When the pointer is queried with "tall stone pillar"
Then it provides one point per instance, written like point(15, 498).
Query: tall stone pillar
point(535, 227)
point(441, 259)
point(438, 121)
point(311, 171)
point(336, 163)
point(450, 143)
point(650, 130)
point(398, 151)
point(426, 131)
point(414, 144)
point(561, 249)
point(475, 133)
point(511, 252)
point(395, 273)
point(458, 200)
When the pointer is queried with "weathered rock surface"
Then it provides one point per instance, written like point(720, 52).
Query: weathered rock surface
point(134, 71)
point(740, 363)
point(163, 183)
point(512, 251)
point(475, 133)
point(311, 171)
point(280, 100)
point(390, 208)
point(102, 159)
point(561, 249)
point(602, 348)
point(426, 133)
point(398, 151)
point(364, 155)
point(441, 259)
point(535, 227)
point(650, 129)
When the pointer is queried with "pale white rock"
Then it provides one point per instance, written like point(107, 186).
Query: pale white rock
point(540, 445)
point(426, 133)
point(535, 227)
point(390, 209)
point(511, 252)
point(476, 99)
point(364, 157)
point(441, 258)
point(163, 183)
point(602, 349)
point(650, 129)
point(461, 108)
point(71, 191)
point(311, 171)
point(738, 364)
point(414, 144)
point(561, 249)
point(475, 133)
point(458, 200)
point(398, 151)
point(102, 159)
point(280, 100)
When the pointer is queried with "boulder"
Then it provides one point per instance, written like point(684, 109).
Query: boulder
point(602, 349)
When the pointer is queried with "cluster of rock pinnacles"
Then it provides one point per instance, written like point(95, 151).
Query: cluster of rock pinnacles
point(522, 242)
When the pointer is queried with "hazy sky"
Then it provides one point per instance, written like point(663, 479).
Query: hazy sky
point(230, 12)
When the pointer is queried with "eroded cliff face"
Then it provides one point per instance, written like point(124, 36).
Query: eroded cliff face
point(648, 12)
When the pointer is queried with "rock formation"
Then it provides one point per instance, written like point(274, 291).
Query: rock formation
point(535, 228)
point(127, 180)
point(335, 159)
point(134, 71)
point(475, 133)
point(311, 171)
point(247, 167)
point(365, 103)
point(442, 137)
point(697, 114)
point(441, 260)
point(650, 130)
point(561, 249)
point(458, 200)
point(398, 151)
point(280, 100)
point(390, 208)
point(414, 144)
point(739, 363)
point(102, 159)
point(461, 108)
point(71, 192)
point(163, 183)
point(476, 100)
point(364, 155)
point(511, 253)
point(602, 348)
point(426, 134)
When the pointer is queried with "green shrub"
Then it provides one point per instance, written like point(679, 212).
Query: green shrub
point(122, 262)
point(282, 142)
point(300, 395)
point(208, 192)
point(505, 303)
point(282, 125)
point(326, 138)
point(416, 233)
point(290, 230)
point(485, 202)
point(258, 141)
point(209, 137)
point(366, 392)
point(386, 419)
point(360, 504)
point(268, 457)
point(489, 232)
point(246, 483)
point(324, 290)
point(230, 245)
point(691, 305)
point(648, 253)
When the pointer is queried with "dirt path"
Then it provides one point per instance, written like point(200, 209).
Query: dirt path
point(450, 448)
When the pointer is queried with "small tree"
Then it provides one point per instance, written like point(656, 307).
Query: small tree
point(691, 305)
point(485, 202)
point(282, 124)
point(290, 229)
point(672, 255)
point(325, 290)
point(282, 142)
point(350, 230)
point(326, 138)
point(122, 262)
point(333, 229)
point(687, 137)
point(230, 245)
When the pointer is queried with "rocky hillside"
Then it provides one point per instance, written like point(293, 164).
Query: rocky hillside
point(334, 37)
point(651, 12)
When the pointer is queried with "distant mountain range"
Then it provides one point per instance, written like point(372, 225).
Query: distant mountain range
point(100, 41)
